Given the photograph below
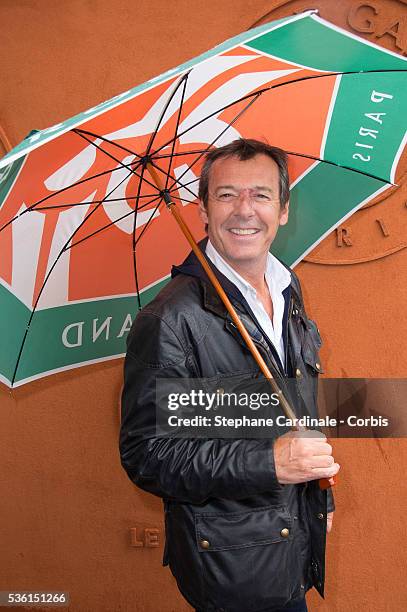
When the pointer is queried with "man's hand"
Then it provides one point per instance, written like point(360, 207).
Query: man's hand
point(329, 519)
point(300, 456)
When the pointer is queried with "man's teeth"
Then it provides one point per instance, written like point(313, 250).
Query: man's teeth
point(242, 232)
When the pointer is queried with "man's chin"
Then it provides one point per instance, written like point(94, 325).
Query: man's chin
point(243, 257)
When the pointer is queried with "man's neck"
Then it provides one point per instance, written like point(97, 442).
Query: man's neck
point(253, 273)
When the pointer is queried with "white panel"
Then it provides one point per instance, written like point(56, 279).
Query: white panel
point(26, 237)
point(234, 89)
point(55, 292)
point(115, 210)
point(189, 176)
point(73, 170)
point(197, 78)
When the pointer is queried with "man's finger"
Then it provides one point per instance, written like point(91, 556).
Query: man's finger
point(327, 472)
point(322, 461)
point(310, 433)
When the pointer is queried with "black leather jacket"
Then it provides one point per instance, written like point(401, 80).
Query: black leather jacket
point(226, 515)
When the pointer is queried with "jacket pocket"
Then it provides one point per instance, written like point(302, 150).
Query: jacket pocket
point(248, 559)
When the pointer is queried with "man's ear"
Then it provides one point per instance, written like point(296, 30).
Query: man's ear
point(203, 213)
point(284, 213)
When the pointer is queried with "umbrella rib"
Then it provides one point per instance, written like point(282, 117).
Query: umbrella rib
point(254, 94)
point(195, 180)
point(331, 74)
point(134, 238)
point(331, 163)
point(149, 221)
point(184, 186)
point(90, 202)
point(59, 191)
point(174, 197)
point(258, 93)
point(176, 132)
point(285, 83)
point(101, 229)
point(116, 159)
point(178, 154)
point(166, 106)
point(177, 182)
point(64, 248)
point(240, 113)
point(81, 132)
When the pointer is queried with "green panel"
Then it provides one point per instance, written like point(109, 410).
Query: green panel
point(348, 141)
point(317, 203)
point(7, 178)
point(311, 43)
point(44, 349)
point(14, 316)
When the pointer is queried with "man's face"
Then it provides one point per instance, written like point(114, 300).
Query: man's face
point(243, 212)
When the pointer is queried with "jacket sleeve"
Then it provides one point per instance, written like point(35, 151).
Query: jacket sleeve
point(186, 470)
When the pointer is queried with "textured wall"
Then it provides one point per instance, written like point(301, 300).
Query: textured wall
point(67, 506)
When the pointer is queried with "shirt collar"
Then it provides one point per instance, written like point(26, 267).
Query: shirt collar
point(277, 275)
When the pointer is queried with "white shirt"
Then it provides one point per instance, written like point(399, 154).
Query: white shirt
point(277, 278)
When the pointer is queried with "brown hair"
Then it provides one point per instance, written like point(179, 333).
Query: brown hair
point(244, 149)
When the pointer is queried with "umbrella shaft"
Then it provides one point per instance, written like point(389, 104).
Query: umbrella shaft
point(288, 411)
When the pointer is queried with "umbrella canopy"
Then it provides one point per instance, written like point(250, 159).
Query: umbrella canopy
point(82, 229)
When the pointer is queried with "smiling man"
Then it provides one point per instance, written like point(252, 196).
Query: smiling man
point(245, 518)
point(242, 212)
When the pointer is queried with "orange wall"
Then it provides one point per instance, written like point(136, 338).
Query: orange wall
point(67, 506)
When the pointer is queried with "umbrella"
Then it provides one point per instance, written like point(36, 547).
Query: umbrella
point(84, 237)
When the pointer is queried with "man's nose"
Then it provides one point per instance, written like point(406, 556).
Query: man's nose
point(244, 205)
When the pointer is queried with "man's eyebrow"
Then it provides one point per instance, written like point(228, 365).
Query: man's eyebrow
point(259, 187)
point(226, 187)
point(263, 188)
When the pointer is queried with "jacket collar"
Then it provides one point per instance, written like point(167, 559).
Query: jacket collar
point(192, 267)
point(212, 301)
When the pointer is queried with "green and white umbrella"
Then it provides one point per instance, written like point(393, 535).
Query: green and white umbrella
point(84, 237)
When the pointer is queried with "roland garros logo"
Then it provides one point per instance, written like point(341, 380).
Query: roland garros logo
point(114, 192)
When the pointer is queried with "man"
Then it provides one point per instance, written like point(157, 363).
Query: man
point(245, 519)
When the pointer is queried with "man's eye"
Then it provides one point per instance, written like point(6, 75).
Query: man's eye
point(226, 196)
point(262, 197)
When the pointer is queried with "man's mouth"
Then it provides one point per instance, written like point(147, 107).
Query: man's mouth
point(238, 231)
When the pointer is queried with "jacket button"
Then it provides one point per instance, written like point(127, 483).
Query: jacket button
point(318, 366)
point(285, 532)
point(320, 515)
point(204, 544)
point(298, 373)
